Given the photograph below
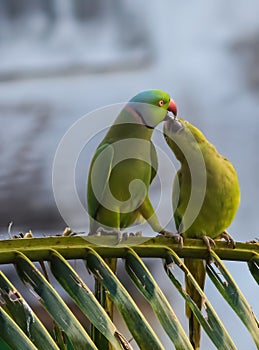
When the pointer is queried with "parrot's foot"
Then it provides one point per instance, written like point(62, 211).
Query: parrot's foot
point(209, 242)
point(102, 232)
point(178, 238)
point(132, 234)
point(121, 236)
point(230, 241)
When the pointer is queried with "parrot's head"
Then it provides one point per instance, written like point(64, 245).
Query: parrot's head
point(181, 136)
point(151, 107)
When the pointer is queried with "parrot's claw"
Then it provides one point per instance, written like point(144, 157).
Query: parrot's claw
point(121, 236)
point(98, 232)
point(117, 233)
point(126, 235)
point(209, 242)
point(230, 241)
point(102, 232)
point(179, 239)
point(176, 236)
point(137, 234)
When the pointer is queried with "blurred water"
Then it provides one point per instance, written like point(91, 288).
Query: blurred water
point(204, 54)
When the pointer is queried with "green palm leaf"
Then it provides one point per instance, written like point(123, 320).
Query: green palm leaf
point(233, 295)
point(53, 303)
point(20, 328)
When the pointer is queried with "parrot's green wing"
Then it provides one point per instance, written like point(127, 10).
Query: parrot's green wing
point(154, 161)
point(100, 171)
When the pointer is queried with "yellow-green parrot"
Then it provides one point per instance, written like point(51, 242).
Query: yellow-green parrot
point(125, 164)
point(206, 196)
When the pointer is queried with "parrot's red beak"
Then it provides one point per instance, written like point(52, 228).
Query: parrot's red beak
point(172, 107)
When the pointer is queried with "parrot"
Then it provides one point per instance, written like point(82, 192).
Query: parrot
point(121, 171)
point(124, 165)
point(212, 182)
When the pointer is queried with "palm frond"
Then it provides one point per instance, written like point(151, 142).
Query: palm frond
point(20, 328)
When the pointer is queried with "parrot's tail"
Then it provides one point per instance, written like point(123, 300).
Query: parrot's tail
point(197, 269)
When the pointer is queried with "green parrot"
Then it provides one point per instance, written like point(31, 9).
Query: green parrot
point(206, 196)
point(122, 168)
point(124, 165)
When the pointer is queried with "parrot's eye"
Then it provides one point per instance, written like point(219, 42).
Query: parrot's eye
point(160, 103)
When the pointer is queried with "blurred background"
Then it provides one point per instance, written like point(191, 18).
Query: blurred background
point(61, 59)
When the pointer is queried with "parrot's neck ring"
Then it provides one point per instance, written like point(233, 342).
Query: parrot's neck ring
point(137, 116)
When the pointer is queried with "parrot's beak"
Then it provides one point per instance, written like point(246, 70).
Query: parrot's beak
point(172, 107)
